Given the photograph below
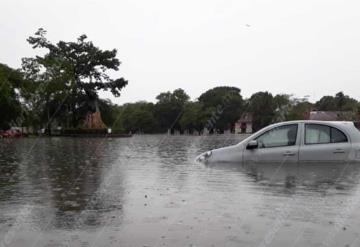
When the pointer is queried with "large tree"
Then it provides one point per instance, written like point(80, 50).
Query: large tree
point(326, 103)
point(138, 118)
point(299, 110)
point(10, 106)
point(262, 106)
point(340, 102)
point(283, 104)
point(169, 109)
point(69, 76)
point(194, 117)
point(345, 103)
point(227, 106)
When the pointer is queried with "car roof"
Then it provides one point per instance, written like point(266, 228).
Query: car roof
point(339, 123)
point(343, 125)
point(346, 126)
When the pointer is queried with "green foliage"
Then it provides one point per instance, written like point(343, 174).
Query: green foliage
point(169, 108)
point(62, 85)
point(137, 118)
point(227, 106)
point(282, 106)
point(299, 111)
point(10, 106)
point(262, 106)
point(106, 108)
point(68, 78)
point(340, 102)
point(326, 103)
point(194, 117)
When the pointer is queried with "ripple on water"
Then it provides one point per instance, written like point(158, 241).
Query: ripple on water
point(147, 191)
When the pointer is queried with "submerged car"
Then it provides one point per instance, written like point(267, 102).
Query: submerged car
point(294, 141)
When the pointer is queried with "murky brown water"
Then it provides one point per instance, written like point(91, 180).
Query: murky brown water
point(147, 191)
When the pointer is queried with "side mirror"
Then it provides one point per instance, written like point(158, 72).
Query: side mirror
point(252, 144)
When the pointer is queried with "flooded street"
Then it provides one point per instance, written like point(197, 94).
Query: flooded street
point(148, 191)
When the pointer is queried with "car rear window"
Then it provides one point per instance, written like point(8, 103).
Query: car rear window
point(337, 136)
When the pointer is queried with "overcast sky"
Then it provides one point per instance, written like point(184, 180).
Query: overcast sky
point(304, 47)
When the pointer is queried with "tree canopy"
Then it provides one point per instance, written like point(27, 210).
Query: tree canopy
point(137, 118)
point(262, 106)
point(194, 117)
point(69, 76)
point(227, 105)
point(10, 106)
point(61, 87)
point(169, 108)
point(340, 102)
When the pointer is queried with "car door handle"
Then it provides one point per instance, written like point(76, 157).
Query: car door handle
point(287, 154)
point(339, 151)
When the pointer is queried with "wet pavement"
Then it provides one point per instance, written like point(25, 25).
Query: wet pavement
point(148, 191)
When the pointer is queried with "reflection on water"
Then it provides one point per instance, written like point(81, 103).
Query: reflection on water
point(147, 191)
point(308, 176)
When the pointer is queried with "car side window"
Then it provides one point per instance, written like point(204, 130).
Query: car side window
point(279, 137)
point(323, 134)
point(317, 134)
point(337, 136)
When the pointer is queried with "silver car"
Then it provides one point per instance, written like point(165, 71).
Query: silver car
point(294, 141)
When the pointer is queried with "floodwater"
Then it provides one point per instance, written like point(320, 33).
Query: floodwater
point(148, 191)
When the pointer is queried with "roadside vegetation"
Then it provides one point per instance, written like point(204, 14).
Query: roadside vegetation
point(60, 87)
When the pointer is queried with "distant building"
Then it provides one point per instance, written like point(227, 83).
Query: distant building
point(244, 124)
point(331, 116)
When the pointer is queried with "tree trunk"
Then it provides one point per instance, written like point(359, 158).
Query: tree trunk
point(93, 119)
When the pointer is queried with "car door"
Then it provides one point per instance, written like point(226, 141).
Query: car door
point(276, 145)
point(324, 143)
